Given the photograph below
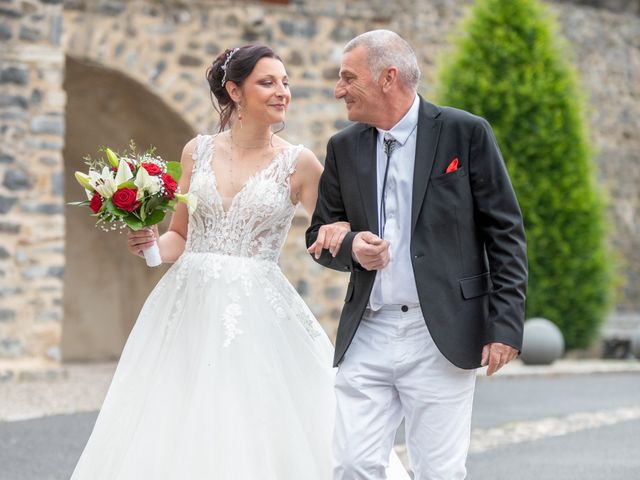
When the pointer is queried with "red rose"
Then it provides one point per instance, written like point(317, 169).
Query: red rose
point(125, 199)
point(96, 202)
point(152, 168)
point(170, 185)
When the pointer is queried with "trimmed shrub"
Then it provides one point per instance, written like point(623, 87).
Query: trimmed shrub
point(510, 67)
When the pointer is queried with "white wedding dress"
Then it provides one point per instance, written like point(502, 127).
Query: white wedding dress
point(226, 375)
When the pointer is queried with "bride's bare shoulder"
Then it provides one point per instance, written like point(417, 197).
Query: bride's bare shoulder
point(307, 165)
point(190, 147)
point(280, 143)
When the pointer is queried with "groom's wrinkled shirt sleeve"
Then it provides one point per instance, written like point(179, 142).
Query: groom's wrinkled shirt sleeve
point(330, 209)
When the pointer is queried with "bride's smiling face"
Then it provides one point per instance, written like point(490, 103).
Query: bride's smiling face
point(265, 92)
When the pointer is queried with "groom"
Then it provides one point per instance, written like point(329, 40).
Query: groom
point(438, 265)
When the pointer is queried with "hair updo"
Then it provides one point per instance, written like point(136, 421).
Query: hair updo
point(237, 69)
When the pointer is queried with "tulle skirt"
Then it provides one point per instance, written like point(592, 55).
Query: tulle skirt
point(226, 375)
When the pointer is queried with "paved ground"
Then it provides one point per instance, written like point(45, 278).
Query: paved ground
point(529, 424)
point(584, 427)
point(606, 453)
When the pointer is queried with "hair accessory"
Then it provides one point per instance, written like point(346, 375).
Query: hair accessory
point(226, 64)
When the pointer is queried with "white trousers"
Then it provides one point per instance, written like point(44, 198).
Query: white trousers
point(393, 370)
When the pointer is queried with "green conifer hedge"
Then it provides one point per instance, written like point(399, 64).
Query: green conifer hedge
point(510, 67)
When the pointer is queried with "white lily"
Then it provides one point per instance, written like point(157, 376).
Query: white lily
point(103, 183)
point(190, 199)
point(124, 173)
point(84, 180)
point(146, 183)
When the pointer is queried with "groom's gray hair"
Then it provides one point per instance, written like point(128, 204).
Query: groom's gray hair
point(384, 49)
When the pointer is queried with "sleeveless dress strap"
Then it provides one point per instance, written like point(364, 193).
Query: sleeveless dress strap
point(201, 148)
point(290, 160)
point(202, 151)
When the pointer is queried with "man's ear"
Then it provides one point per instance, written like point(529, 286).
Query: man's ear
point(388, 78)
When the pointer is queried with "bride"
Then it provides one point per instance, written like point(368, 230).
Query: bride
point(227, 374)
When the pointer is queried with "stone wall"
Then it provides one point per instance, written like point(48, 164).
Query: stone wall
point(32, 104)
point(618, 6)
point(104, 285)
point(166, 46)
point(606, 51)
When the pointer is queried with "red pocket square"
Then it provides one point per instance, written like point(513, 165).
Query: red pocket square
point(453, 166)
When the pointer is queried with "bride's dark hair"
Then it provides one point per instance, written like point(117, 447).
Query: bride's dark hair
point(238, 65)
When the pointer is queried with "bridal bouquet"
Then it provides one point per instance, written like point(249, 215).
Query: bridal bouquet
point(133, 190)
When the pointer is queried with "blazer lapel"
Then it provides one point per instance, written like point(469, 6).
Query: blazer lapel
point(429, 125)
point(367, 176)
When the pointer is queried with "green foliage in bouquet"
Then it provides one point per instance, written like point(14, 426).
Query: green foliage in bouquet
point(131, 189)
point(510, 68)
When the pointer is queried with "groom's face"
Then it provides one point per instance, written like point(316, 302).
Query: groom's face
point(357, 87)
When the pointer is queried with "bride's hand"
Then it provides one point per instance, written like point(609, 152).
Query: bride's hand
point(330, 237)
point(139, 240)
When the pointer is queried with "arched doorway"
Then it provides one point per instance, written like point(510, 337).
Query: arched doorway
point(105, 286)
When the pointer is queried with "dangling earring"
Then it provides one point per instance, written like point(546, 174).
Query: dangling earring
point(239, 114)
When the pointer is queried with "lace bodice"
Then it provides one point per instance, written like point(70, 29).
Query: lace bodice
point(256, 222)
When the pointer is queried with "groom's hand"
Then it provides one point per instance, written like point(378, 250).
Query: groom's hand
point(497, 355)
point(329, 237)
point(370, 251)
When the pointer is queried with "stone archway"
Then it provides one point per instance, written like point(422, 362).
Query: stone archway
point(104, 286)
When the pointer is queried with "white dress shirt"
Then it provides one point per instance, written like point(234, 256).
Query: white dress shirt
point(395, 284)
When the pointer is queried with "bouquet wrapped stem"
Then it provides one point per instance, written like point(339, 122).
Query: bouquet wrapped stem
point(152, 255)
point(133, 190)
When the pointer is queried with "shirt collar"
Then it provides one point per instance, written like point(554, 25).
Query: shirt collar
point(404, 128)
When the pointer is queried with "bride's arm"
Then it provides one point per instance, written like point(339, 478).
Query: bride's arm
point(307, 178)
point(304, 181)
point(172, 242)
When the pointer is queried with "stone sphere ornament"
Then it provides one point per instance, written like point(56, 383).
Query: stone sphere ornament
point(635, 344)
point(543, 342)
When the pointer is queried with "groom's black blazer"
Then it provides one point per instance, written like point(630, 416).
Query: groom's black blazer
point(468, 247)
